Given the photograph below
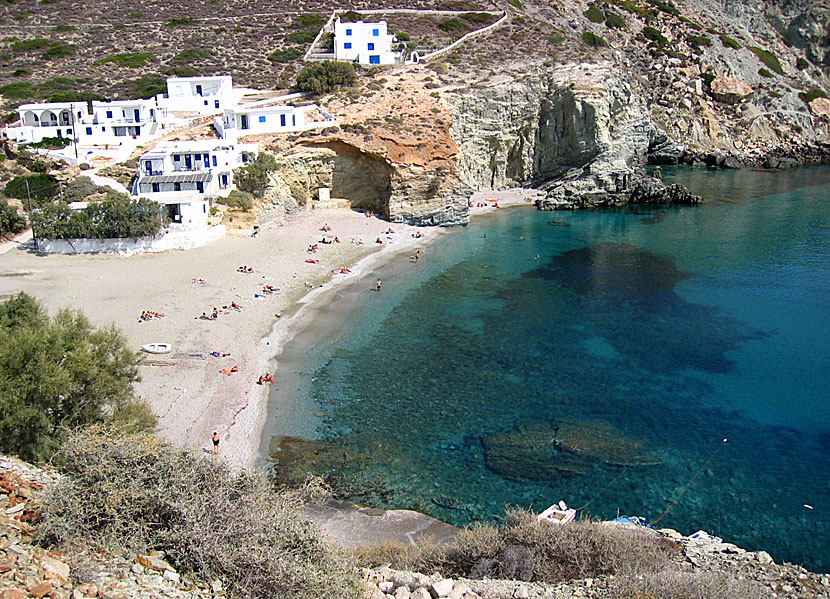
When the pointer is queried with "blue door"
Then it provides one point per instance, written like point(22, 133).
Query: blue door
point(198, 90)
point(137, 114)
point(200, 186)
point(282, 120)
point(207, 160)
point(149, 167)
point(188, 161)
point(374, 59)
point(243, 121)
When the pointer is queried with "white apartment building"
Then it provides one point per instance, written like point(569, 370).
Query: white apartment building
point(91, 123)
point(253, 119)
point(205, 95)
point(365, 43)
point(185, 176)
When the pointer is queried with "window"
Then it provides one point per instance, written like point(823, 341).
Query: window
point(109, 114)
point(293, 120)
point(176, 157)
point(177, 186)
point(374, 59)
point(244, 157)
point(103, 128)
point(204, 208)
point(282, 120)
point(262, 119)
point(79, 114)
point(89, 130)
point(216, 103)
point(375, 32)
point(214, 161)
point(371, 47)
point(155, 187)
point(197, 157)
point(347, 45)
point(69, 132)
point(348, 32)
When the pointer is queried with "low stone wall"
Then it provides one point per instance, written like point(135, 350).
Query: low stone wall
point(185, 239)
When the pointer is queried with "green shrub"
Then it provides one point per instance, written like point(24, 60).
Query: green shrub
point(10, 220)
point(132, 60)
point(654, 35)
point(479, 18)
point(402, 37)
point(182, 71)
point(284, 55)
point(59, 51)
point(19, 90)
point(57, 374)
point(30, 45)
point(812, 94)
point(451, 25)
point(692, 24)
point(181, 22)
point(53, 143)
point(40, 187)
point(634, 8)
point(301, 37)
point(308, 21)
point(665, 7)
point(594, 14)
point(801, 63)
point(614, 21)
point(593, 40)
point(136, 493)
point(323, 77)
point(515, 3)
point(148, 86)
point(241, 200)
point(63, 28)
point(765, 73)
point(79, 189)
point(254, 177)
point(191, 55)
point(21, 72)
point(698, 41)
point(729, 42)
point(768, 58)
point(351, 16)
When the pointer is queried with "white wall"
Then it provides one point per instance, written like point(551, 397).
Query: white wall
point(358, 42)
point(174, 239)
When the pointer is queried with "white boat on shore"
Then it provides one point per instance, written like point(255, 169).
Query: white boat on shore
point(157, 348)
point(558, 513)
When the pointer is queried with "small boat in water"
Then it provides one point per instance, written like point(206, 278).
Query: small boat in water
point(558, 513)
point(157, 348)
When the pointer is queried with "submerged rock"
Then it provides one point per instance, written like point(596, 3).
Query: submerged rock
point(600, 441)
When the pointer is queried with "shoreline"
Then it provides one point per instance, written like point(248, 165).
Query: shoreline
point(287, 330)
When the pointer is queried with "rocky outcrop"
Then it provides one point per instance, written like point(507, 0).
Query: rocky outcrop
point(820, 107)
point(729, 90)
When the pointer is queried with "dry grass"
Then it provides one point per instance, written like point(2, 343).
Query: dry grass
point(135, 493)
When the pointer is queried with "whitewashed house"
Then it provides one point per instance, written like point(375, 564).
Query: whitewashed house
point(365, 43)
point(91, 123)
point(186, 176)
point(205, 95)
point(256, 118)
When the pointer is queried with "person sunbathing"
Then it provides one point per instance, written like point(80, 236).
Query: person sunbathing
point(219, 354)
point(235, 306)
point(336, 240)
point(326, 241)
point(266, 378)
point(325, 227)
point(378, 240)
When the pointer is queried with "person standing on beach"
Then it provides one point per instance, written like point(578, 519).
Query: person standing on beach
point(417, 256)
point(378, 285)
point(215, 443)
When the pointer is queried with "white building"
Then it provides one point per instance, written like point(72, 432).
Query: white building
point(185, 176)
point(256, 118)
point(205, 95)
point(91, 123)
point(365, 43)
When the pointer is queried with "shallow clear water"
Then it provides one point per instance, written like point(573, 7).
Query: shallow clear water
point(485, 377)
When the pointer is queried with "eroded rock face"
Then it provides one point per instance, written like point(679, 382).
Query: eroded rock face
point(730, 91)
point(820, 106)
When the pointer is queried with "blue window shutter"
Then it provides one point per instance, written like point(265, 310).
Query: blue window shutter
point(175, 157)
point(262, 119)
point(197, 157)
point(214, 161)
point(371, 46)
point(348, 32)
point(282, 120)
point(216, 103)
point(109, 114)
point(89, 130)
point(347, 45)
point(375, 32)
point(293, 119)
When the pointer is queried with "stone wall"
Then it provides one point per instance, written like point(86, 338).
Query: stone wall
point(183, 239)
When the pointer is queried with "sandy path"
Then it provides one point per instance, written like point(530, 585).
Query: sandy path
point(187, 392)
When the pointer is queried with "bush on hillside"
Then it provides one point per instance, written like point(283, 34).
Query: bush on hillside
point(801, 63)
point(593, 40)
point(286, 55)
point(59, 373)
point(41, 188)
point(79, 189)
point(769, 59)
point(238, 199)
point(594, 14)
point(254, 177)
point(729, 42)
point(654, 35)
point(136, 493)
point(10, 220)
point(323, 77)
point(811, 95)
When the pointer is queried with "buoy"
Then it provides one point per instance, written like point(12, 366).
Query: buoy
point(809, 507)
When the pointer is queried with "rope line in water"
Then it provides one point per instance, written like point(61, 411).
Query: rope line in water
point(688, 484)
point(579, 509)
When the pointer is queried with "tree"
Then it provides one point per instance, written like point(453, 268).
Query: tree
point(57, 374)
point(117, 216)
point(42, 188)
point(10, 220)
point(254, 177)
point(322, 77)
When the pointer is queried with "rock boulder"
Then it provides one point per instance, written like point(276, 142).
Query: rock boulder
point(730, 91)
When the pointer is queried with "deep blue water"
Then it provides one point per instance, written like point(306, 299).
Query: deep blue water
point(485, 377)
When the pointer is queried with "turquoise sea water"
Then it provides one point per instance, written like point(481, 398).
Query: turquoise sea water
point(485, 377)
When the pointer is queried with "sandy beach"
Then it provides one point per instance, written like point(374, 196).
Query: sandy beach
point(186, 388)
